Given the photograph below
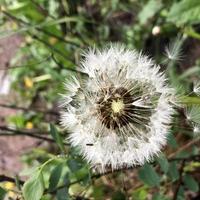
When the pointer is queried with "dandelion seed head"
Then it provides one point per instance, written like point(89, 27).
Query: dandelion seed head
point(120, 114)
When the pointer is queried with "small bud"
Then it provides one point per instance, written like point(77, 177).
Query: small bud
point(156, 30)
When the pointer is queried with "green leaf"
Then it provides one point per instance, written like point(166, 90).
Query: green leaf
point(163, 162)
point(74, 165)
point(140, 194)
point(118, 196)
point(180, 195)
point(149, 10)
point(55, 176)
point(185, 12)
point(171, 140)
point(54, 133)
point(191, 183)
point(2, 193)
point(149, 176)
point(33, 188)
point(62, 194)
point(173, 171)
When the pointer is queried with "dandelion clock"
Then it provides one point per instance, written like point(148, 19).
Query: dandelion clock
point(119, 115)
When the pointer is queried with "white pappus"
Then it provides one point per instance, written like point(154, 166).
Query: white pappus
point(120, 114)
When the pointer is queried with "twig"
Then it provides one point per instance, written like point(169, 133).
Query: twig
point(184, 147)
point(51, 47)
point(179, 180)
point(4, 178)
point(70, 69)
point(15, 132)
point(40, 29)
point(28, 65)
point(42, 9)
point(96, 176)
point(49, 112)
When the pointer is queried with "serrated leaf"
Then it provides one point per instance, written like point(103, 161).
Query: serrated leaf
point(34, 187)
point(54, 133)
point(2, 193)
point(185, 12)
point(149, 176)
point(191, 183)
point(164, 164)
point(55, 176)
point(173, 171)
point(149, 10)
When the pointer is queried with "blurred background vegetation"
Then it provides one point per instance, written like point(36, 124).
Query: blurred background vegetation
point(49, 37)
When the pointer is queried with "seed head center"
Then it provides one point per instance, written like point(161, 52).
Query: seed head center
point(117, 106)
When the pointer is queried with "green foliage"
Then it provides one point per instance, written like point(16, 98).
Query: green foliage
point(149, 176)
point(158, 196)
point(62, 194)
point(55, 176)
point(54, 133)
point(173, 171)
point(2, 193)
point(140, 194)
point(33, 188)
point(149, 10)
point(163, 162)
point(118, 196)
point(191, 183)
point(185, 12)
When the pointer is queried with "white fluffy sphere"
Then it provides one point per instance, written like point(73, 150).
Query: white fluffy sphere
point(119, 115)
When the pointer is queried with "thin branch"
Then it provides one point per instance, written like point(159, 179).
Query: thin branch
point(42, 9)
point(51, 47)
point(178, 184)
point(49, 112)
point(184, 147)
point(4, 178)
point(25, 132)
point(96, 176)
point(28, 65)
point(40, 29)
point(70, 69)
point(14, 132)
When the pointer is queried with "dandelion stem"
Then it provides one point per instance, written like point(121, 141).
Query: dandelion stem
point(189, 100)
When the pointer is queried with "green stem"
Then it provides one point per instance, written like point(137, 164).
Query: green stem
point(190, 100)
point(192, 33)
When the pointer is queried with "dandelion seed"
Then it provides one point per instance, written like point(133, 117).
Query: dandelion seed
point(196, 130)
point(193, 114)
point(174, 51)
point(196, 88)
point(120, 114)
